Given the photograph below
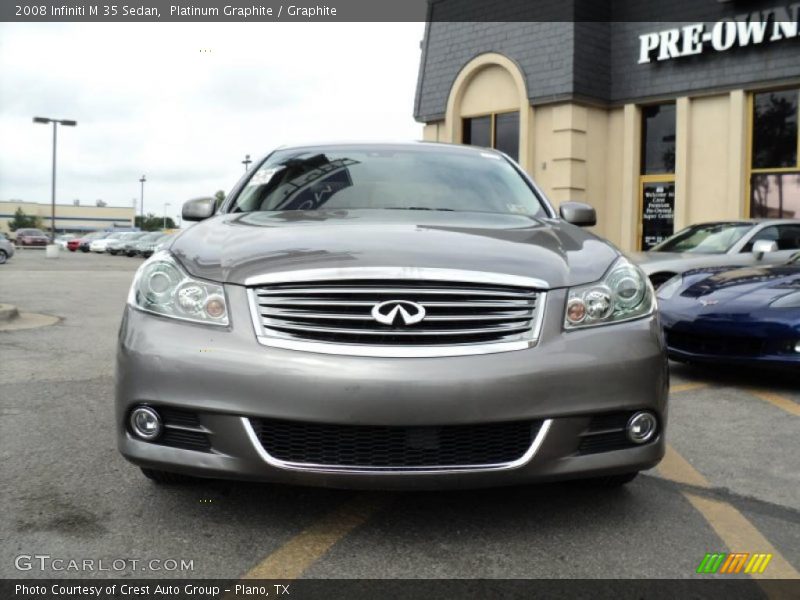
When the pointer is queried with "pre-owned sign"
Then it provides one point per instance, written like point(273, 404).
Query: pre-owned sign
point(746, 30)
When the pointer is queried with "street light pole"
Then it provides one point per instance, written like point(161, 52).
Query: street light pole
point(165, 214)
point(55, 122)
point(141, 213)
point(246, 162)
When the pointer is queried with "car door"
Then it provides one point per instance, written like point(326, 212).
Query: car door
point(786, 236)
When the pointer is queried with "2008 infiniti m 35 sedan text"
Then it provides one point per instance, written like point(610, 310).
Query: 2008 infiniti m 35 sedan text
point(390, 315)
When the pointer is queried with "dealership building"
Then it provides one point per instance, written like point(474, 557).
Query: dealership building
point(69, 217)
point(658, 125)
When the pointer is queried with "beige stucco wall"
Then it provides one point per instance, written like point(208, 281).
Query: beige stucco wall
point(68, 215)
point(592, 154)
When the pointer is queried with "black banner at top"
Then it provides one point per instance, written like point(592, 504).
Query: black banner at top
point(390, 10)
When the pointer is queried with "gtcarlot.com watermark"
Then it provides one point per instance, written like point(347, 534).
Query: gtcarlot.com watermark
point(46, 562)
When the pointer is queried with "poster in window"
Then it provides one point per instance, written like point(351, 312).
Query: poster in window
point(658, 213)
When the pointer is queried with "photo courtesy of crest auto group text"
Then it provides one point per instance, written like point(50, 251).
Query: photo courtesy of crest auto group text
point(370, 299)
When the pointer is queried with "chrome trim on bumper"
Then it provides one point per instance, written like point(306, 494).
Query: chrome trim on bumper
point(454, 275)
point(356, 470)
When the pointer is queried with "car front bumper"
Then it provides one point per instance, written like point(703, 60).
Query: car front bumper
point(750, 341)
point(226, 377)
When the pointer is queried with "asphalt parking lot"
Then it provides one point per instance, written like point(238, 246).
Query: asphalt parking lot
point(730, 481)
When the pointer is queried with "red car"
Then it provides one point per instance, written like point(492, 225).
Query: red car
point(73, 244)
point(31, 237)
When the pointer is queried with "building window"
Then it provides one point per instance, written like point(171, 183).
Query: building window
point(657, 175)
point(658, 139)
point(775, 169)
point(499, 131)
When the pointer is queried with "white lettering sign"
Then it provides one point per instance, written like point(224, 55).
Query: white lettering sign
point(746, 30)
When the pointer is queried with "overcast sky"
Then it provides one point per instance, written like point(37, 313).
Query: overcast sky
point(148, 101)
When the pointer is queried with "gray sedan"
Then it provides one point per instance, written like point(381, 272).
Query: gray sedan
point(719, 244)
point(390, 316)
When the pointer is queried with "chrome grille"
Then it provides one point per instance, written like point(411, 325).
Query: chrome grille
point(486, 316)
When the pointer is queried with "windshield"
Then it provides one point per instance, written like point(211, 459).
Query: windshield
point(708, 238)
point(388, 177)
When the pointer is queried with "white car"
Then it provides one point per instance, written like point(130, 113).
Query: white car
point(61, 241)
point(101, 244)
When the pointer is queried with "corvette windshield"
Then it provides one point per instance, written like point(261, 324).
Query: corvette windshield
point(708, 238)
point(388, 177)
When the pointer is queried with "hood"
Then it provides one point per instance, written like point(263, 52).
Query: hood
point(652, 262)
point(726, 290)
point(230, 248)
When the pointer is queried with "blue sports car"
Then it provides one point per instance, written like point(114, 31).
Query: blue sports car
point(744, 315)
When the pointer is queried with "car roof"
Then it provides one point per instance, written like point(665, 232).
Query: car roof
point(391, 144)
point(748, 222)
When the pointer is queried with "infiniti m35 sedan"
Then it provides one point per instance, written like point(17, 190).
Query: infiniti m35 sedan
point(390, 316)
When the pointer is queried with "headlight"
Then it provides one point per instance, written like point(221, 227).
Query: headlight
point(161, 286)
point(788, 301)
point(623, 294)
point(669, 287)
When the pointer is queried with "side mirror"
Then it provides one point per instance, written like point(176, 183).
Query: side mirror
point(578, 213)
point(198, 209)
point(762, 247)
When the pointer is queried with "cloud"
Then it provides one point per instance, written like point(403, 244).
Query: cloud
point(183, 103)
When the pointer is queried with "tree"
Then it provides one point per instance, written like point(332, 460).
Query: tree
point(154, 223)
point(23, 221)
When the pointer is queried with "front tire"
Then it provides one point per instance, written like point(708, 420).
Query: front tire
point(3, 257)
point(165, 477)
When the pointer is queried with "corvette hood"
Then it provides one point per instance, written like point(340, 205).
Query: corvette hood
point(745, 289)
point(231, 248)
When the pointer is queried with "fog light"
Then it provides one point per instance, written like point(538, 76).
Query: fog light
point(145, 423)
point(642, 427)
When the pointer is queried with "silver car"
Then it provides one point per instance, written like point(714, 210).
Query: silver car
point(390, 316)
point(719, 244)
point(6, 249)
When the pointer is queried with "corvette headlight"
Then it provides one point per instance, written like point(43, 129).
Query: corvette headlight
point(788, 301)
point(623, 294)
point(161, 286)
point(669, 287)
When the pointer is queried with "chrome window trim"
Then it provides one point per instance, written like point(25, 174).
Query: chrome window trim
point(356, 470)
point(412, 273)
point(450, 275)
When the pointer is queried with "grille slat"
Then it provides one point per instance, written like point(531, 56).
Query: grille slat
point(403, 447)
point(340, 312)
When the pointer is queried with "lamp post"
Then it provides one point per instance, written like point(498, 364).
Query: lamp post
point(166, 204)
point(141, 214)
point(55, 122)
point(246, 162)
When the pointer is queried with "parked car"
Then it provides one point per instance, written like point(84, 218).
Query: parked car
point(147, 249)
point(6, 249)
point(138, 246)
point(116, 245)
point(723, 243)
point(390, 315)
point(62, 240)
point(86, 241)
point(100, 245)
point(74, 244)
point(749, 315)
point(31, 237)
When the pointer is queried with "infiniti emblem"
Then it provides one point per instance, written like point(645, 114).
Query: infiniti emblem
point(387, 312)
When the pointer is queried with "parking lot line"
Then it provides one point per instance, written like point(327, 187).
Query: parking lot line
point(686, 387)
point(789, 406)
point(299, 553)
point(738, 534)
